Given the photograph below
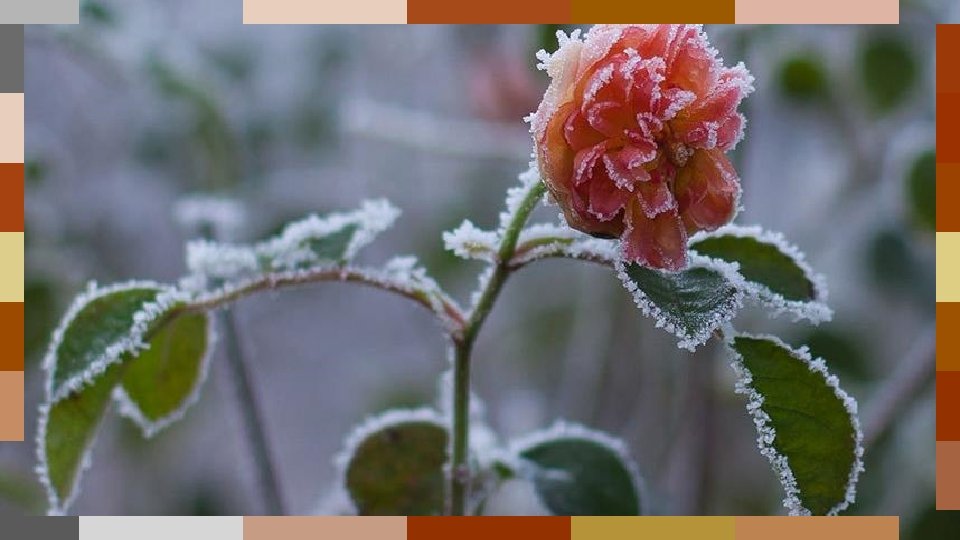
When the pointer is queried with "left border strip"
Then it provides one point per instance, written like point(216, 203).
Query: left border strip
point(11, 228)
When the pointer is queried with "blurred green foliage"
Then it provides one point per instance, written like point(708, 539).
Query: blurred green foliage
point(888, 69)
point(803, 78)
point(922, 190)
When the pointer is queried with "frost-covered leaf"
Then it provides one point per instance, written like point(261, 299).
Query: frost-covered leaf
point(580, 472)
point(469, 242)
point(100, 327)
point(393, 464)
point(163, 381)
point(65, 435)
point(691, 303)
point(807, 425)
point(775, 271)
point(311, 242)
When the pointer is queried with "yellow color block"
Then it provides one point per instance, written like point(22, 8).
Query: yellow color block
point(652, 528)
point(948, 267)
point(11, 267)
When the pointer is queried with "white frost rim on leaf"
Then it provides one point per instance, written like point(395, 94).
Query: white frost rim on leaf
point(730, 271)
point(559, 240)
point(208, 260)
point(374, 424)
point(515, 196)
point(128, 407)
point(815, 311)
point(166, 298)
point(766, 435)
point(57, 507)
point(563, 429)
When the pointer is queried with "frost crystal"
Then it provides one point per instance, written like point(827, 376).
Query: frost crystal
point(709, 322)
point(469, 242)
point(132, 342)
point(816, 311)
point(129, 409)
point(515, 195)
point(562, 429)
point(545, 240)
point(213, 264)
point(766, 435)
point(376, 423)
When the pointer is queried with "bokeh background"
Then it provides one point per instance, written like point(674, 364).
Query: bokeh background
point(146, 103)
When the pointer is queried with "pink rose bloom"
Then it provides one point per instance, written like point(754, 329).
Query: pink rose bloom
point(632, 132)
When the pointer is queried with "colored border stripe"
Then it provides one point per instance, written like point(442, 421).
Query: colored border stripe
point(11, 333)
point(488, 11)
point(948, 405)
point(11, 129)
point(41, 528)
point(325, 527)
point(314, 12)
point(821, 528)
point(651, 11)
point(488, 528)
point(672, 527)
point(40, 11)
point(11, 58)
point(818, 12)
point(948, 271)
point(11, 197)
point(11, 405)
point(161, 528)
point(570, 11)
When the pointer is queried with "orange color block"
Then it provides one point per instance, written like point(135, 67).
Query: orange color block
point(11, 336)
point(653, 11)
point(948, 42)
point(948, 197)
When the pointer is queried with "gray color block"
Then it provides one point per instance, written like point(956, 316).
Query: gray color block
point(11, 58)
point(41, 528)
point(39, 11)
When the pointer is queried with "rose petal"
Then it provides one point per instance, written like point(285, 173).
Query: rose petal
point(655, 198)
point(585, 162)
point(707, 190)
point(606, 199)
point(578, 133)
point(660, 242)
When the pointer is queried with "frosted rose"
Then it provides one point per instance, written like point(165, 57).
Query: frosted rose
point(632, 132)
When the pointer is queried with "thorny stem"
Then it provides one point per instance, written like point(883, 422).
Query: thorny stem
point(253, 423)
point(463, 347)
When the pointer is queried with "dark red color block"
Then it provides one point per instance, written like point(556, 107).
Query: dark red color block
point(948, 405)
point(488, 11)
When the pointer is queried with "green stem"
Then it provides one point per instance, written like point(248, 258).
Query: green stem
point(463, 347)
point(253, 422)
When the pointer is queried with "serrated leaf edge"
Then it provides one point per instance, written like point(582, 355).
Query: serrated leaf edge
point(730, 271)
point(766, 435)
point(564, 429)
point(815, 311)
point(129, 409)
point(166, 298)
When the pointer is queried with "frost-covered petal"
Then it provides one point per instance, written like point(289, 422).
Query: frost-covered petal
point(707, 190)
point(606, 199)
point(655, 198)
point(660, 242)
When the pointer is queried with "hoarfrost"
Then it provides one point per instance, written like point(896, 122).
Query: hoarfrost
point(711, 322)
point(815, 311)
point(562, 429)
point(128, 408)
point(132, 342)
point(469, 242)
point(766, 435)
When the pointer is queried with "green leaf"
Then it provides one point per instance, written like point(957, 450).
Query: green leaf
point(577, 472)
point(807, 426)
point(97, 330)
point(690, 304)
point(394, 465)
point(922, 185)
point(162, 381)
point(66, 433)
point(889, 70)
point(803, 78)
point(334, 246)
point(775, 271)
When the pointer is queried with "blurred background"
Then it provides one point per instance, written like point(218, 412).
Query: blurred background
point(146, 103)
